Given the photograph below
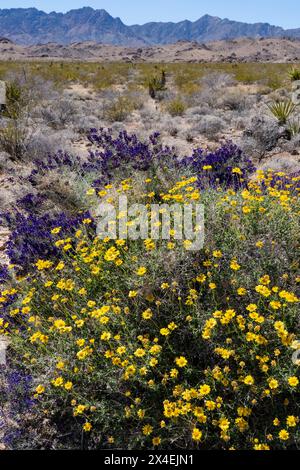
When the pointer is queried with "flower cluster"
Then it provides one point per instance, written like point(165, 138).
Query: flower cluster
point(225, 167)
point(31, 237)
point(111, 156)
point(143, 344)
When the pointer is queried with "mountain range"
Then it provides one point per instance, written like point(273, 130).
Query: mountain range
point(29, 26)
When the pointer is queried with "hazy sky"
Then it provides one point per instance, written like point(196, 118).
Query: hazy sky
point(282, 13)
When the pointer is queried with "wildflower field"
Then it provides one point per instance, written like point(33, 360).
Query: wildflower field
point(141, 344)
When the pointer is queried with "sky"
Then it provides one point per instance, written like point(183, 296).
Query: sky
point(277, 12)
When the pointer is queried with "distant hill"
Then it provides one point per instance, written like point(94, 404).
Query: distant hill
point(5, 41)
point(30, 26)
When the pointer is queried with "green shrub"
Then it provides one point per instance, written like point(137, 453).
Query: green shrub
point(157, 83)
point(14, 100)
point(294, 74)
point(282, 110)
point(14, 140)
point(176, 107)
point(120, 109)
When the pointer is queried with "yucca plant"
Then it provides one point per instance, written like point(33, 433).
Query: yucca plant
point(293, 128)
point(157, 84)
point(294, 74)
point(282, 110)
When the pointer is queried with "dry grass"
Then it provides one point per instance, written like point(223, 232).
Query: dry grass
point(186, 77)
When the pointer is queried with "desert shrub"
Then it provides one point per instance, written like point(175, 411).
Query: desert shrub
point(13, 92)
point(189, 136)
point(119, 110)
point(252, 147)
point(240, 120)
point(4, 160)
point(23, 92)
point(219, 97)
point(163, 95)
point(208, 97)
point(165, 123)
point(210, 126)
point(14, 139)
point(176, 107)
point(263, 134)
point(270, 75)
point(84, 123)
point(292, 146)
point(172, 129)
point(293, 128)
point(14, 100)
point(104, 76)
point(198, 111)
point(89, 113)
point(63, 190)
point(145, 345)
point(295, 142)
point(148, 117)
point(60, 161)
point(233, 100)
point(156, 84)
point(217, 80)
point(294, 74)
point(62, 181)
point(282, 110)
point(59, 113)
point(44, 142)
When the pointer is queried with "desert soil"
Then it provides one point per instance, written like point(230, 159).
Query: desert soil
point(239, 50)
